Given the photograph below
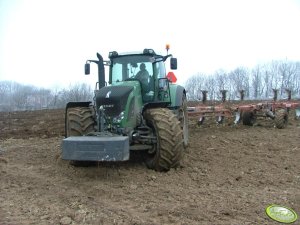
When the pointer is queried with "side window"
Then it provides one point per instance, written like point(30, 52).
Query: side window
point(149, 68)
point(117, 73)
point(132, 69)
point(160, 70)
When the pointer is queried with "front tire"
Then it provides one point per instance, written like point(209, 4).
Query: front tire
point(167, 151)
point(80, 121)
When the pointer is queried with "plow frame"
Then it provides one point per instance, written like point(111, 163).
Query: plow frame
point(245, 113)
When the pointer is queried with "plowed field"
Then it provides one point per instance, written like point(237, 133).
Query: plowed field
point(229, 175)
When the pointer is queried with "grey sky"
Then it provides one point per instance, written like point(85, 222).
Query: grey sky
point(46, 43)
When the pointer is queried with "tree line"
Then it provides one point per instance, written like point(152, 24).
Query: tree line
point(17, 97)
point(257, 83)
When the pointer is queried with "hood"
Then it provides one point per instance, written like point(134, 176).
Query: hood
point(113, 99)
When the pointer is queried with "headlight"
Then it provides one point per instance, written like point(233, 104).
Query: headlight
point(119, 118)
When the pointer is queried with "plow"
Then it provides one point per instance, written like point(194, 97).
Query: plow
point(247, 114)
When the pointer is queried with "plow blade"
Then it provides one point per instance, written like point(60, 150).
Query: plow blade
point(297, 112)
point(237, 117)
point(95, 148)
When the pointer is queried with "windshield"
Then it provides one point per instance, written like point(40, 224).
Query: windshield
point(127, 67)
point(143, 68)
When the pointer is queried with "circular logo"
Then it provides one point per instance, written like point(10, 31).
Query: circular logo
point(281, 214)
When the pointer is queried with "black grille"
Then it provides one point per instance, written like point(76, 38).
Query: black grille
point(113, 99)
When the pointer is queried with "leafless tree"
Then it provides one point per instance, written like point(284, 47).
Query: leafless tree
point(221, 81)
point(75, 93)
point(195, 85)
point(239, 80)
point(257, 82)
point(287, 70)
point(15, 96)
point(210, 86)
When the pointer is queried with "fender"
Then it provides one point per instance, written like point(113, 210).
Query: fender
point(154, 105)
point(177, 92)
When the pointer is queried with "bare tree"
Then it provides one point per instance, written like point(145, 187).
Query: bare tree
point(221, 81)
point(288, 70)
point(75, 93)
point(5, 93)
point(256, 81)
point(210, 87)
point(239, 80)
point(15, 96)
point(274, 77)
point(296, 80)
point(194, 85)
point(20, 96)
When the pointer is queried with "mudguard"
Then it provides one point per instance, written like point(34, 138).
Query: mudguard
point(177, 93)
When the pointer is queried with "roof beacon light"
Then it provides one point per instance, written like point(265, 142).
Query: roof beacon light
point(167, 48)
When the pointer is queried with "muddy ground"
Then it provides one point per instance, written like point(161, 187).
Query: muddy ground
point(229, 175)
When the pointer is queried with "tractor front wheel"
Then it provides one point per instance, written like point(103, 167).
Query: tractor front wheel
point(80, 121)
point(167, 151)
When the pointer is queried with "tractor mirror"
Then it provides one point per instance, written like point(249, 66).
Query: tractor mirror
point(173, 63)
point(87, 69)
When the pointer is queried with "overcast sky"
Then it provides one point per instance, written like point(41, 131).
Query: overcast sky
point(46, 42)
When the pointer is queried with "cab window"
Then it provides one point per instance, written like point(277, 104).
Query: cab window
point(159, 70)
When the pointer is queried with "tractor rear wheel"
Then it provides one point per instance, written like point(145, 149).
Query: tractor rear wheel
point(167, 151)
point(281, 119)
point(249, 118)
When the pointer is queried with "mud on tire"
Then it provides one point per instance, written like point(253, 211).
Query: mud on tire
point(167, 152)
point(281, 119)
point(80, 121)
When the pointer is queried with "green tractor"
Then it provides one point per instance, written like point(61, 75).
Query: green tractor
point(140, 110)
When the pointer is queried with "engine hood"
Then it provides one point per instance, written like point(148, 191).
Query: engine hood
point(113, 99)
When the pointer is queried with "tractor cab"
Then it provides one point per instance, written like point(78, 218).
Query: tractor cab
point(145, 68)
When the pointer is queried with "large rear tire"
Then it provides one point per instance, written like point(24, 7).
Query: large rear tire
point(167, 151)
point(281, 119)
